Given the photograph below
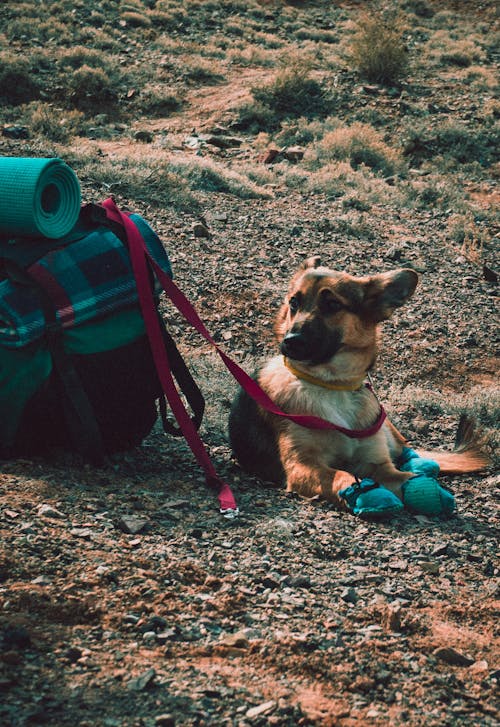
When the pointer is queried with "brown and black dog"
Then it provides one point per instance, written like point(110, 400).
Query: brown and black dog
point(329, 338)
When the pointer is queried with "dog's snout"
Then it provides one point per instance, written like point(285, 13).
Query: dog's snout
point(294, 345)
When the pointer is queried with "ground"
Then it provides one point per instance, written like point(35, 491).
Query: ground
point(127, 600)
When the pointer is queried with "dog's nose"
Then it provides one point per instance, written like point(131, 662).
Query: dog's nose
point(294, 346)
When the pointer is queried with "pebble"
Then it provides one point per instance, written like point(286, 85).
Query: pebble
point(451, 656)
point(138, 684)
point(49, 511)
point(260, 709)
point(165, 720)
point(132, 525)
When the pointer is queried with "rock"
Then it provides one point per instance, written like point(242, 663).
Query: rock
point(489, 275)
point(261, 709)
point(81, 533)
point(146, 137)
point(200, 230)
point(451, 656)
point(392, 617)
point(132, 525)
point(165, 720)
point(221, 141)
point(144, 680)
point(236, 641)
point(430, 567)
point(42, 581)
point(15, 132)
point(349, 595)
point(49, 511)
point(294, 153)
point(269, 156)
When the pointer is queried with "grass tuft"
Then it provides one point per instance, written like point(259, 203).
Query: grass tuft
point(378, 50)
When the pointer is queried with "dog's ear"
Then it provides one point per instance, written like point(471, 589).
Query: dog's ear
point(311, 262)
point(387, 291)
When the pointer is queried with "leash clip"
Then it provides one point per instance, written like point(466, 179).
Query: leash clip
point(230, 513)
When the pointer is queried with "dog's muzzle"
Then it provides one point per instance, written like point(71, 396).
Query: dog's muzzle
point(314, 346)
point(295, 346)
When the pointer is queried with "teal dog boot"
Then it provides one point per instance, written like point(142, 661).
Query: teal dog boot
point(410, 461)
point(423, 495)
point(369, 499)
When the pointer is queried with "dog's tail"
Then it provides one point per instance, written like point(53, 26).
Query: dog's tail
point(468, 455)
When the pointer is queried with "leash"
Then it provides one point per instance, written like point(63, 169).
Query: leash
point(142, 263)
point(140, 258)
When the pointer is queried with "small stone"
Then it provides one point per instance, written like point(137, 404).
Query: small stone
point(221, 141)
point(261, 709)
point(269, 156)
point(392, 617)
point(49, 511)
point(479, 667)
point(149, 637)
point(451, 656)
point(132, 525)
point(236, 641)
point(165, 720)
point(430, 567)
point(200, 230)
point(349, 595)
point(15, 132)
point(42, 581)
point(146, 137)
point(138, 684)
point(294, 153)
point(84, 533)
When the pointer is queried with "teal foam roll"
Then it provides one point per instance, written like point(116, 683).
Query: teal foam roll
point(38, 197)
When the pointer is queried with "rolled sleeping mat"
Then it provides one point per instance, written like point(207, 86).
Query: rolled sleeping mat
point(38, 197)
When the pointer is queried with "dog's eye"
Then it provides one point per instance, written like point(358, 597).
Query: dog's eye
point(294, 304)
point(329, 304)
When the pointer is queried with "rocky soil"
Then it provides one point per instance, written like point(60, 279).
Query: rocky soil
point(127, 600)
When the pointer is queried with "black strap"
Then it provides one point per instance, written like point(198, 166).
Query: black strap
point(187, 385)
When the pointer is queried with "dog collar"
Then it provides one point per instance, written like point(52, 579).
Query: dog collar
point(320, 382)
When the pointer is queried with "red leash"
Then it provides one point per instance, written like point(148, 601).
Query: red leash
point(140, 258)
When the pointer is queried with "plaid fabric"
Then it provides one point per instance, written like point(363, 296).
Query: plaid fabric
point(86, 280)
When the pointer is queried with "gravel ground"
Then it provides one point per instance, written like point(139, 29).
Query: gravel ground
point(127, 600)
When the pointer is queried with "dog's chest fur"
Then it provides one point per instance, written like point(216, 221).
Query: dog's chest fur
point(349, 409)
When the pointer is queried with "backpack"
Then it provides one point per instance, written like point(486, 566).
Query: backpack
point(78, 367)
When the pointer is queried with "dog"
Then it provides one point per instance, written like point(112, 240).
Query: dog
point(328, 329)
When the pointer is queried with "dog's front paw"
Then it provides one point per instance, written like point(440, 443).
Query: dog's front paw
point(371, 500)
point(425, 496)
point(410, 461)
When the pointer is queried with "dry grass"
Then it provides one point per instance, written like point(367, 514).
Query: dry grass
point(378, 50)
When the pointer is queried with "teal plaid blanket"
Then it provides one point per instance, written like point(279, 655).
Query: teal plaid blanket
point(87, 279)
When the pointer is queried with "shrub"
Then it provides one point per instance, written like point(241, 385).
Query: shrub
point(208, 176)
point(17, 85)
point(159, 101)
point(80, 55)
point(54, 124)
point(378, 50)
point(358, 144)
point(293, 93)
point(91, 89)
point(136, 20)
point(454, 142)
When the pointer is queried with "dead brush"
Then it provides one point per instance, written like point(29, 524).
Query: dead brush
point(378, 50)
